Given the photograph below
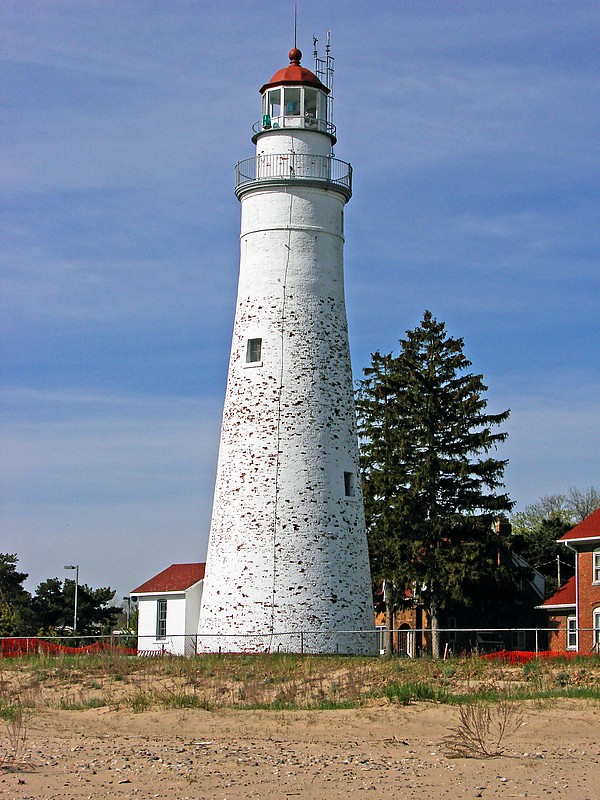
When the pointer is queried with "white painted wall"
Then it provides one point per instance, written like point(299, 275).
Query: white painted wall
point(287, 549)
point(183, 610)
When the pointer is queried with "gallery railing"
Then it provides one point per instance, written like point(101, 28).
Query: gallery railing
point(293, 167)
point(308, 122)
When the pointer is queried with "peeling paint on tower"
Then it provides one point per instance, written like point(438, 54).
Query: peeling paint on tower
point(287, 564)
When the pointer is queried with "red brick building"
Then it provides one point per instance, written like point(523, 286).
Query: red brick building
point(574, 610)
point(507, 621)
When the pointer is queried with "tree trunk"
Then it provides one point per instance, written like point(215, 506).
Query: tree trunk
point(435, 629)
point(389, 626)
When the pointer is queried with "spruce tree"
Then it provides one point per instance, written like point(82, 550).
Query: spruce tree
point(431, 489)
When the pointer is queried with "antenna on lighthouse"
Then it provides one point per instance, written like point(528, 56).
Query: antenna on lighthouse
point(324, 70)
point(295, 22)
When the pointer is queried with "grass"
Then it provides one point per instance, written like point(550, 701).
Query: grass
point(283, 681)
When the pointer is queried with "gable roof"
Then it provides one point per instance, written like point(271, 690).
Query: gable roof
point(588, 529)
point(563, 597)
point(176, 578)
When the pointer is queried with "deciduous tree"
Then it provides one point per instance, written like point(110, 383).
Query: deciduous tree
point(537, 528)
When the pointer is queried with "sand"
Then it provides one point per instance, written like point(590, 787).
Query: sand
point(384, 751)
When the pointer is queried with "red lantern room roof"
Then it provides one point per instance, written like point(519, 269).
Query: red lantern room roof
point(294, 74)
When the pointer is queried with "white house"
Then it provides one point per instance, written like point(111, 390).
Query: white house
point(169, 607)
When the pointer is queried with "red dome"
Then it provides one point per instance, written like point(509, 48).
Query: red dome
point(294, 74)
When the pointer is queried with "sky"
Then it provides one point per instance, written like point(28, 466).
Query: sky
point(472, 129)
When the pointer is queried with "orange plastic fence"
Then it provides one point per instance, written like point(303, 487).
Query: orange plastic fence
point(524, 656)
point(15, 647)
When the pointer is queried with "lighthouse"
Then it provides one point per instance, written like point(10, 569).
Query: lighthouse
point(287, 565)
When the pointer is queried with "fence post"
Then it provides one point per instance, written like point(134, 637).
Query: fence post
point(537, 647)
point(301, 642)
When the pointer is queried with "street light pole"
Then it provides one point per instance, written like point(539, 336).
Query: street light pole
point(76, 568)
point(128, 598)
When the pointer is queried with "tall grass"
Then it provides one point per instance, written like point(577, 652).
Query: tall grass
point(286, 681)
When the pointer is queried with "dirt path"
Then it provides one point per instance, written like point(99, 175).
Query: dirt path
point(379, 752)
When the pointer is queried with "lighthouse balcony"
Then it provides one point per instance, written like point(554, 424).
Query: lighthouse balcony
point(297, 168)
point(307, 122)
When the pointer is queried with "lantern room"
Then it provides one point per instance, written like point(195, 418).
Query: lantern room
point(295, 98)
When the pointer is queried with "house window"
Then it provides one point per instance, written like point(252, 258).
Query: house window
point(571, 633)
point(596, 565)
point(253, 351)
point(597, 630)
point(349, 484)
point(161, 619)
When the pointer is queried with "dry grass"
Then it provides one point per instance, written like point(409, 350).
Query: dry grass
point(281, 681)
point(483, 728)
point(17, 704)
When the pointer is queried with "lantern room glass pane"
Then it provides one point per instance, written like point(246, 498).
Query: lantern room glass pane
point(310, 103)
point(274, 103)
point(291, 102)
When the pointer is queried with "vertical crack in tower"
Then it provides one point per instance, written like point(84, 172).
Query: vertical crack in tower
point(288, 247)
point(287, 564)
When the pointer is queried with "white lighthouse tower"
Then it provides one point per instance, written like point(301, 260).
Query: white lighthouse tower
point(287, 565)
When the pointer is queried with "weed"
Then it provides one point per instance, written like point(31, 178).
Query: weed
point(562, 678)
point(15, 731)
point(171, 699)
point(139, 702)
point(70, 703)
point(409, 692)
point(482, 729)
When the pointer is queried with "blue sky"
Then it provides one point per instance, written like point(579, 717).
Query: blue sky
point(472, 128)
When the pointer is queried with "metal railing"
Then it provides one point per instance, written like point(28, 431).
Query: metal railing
point(294, 167)
point(283, 122)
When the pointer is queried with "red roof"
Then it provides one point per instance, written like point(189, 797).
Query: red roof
point(588, 529)
point(294, 74)
point(176, 578)
point(565, 596)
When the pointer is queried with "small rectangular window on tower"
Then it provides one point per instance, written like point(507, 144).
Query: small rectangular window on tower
point(349, 484)
point(253, 351)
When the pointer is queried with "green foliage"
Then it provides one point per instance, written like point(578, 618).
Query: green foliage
point(412, 692)
point(51, 608)
point(539, 546)
point(54, 603)
point(15, 611)
point(537, 528)
point(571, 508)
point(431, 488)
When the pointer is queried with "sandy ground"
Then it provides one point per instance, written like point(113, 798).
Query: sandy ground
point(379, 752)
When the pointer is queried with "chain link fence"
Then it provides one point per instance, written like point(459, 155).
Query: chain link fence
point(405, 643)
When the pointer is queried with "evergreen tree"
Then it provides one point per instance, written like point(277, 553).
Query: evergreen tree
point(539, 546)
point(54, 605)
point(15, 609)
point(431, 489)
